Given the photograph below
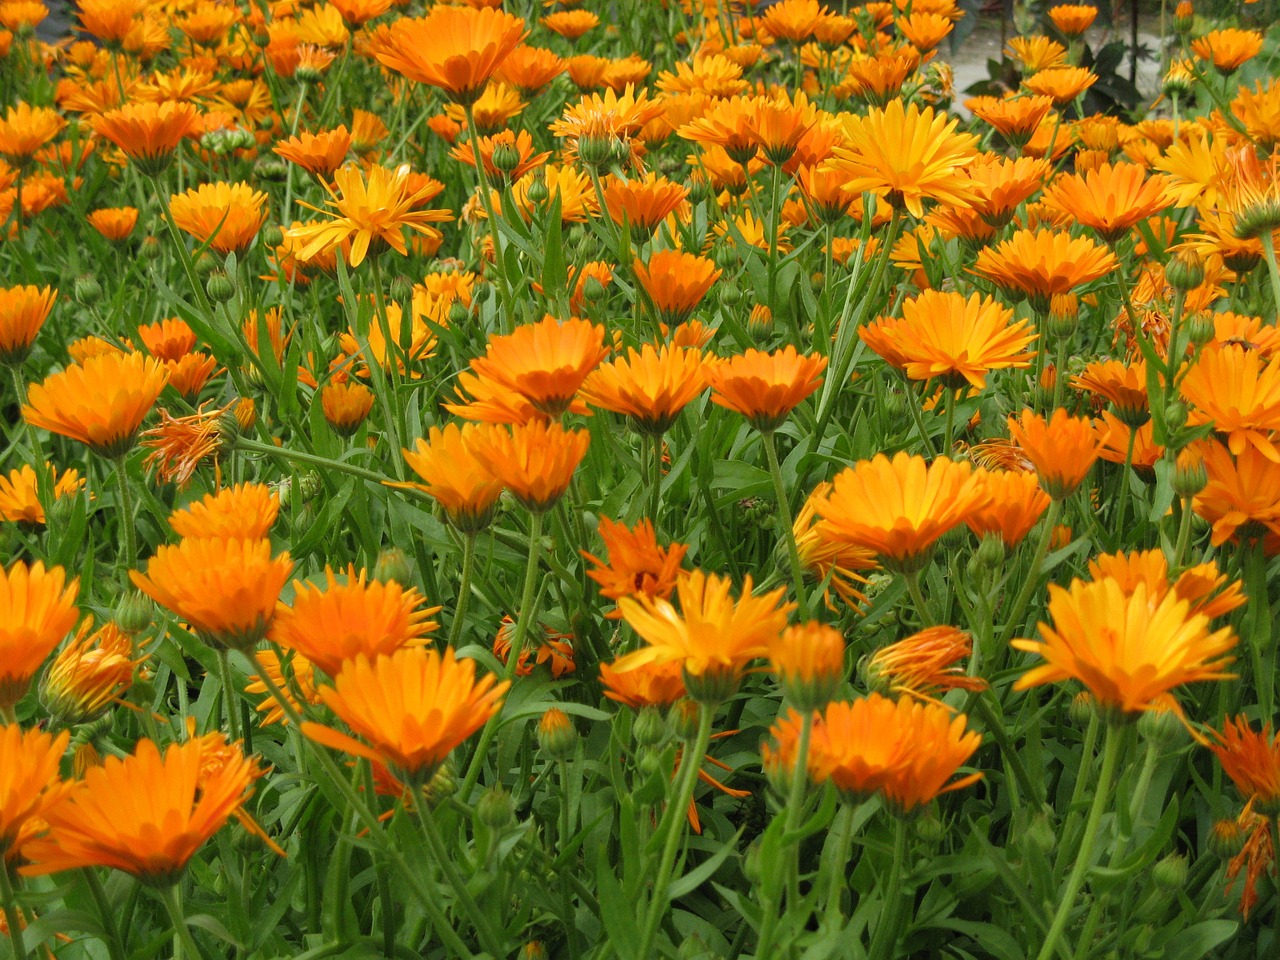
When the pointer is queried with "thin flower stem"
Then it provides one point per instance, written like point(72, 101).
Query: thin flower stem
point(464, 588)
point(1077, 791)
point(887, 930)
point(917, 598)
point(1126, 490)
point(182, 938)
point(1060, 370)
point(12, 913)
point(917, 416)
point(1102, 790)
point(184, 255)
point(431, 831)
point(1269, 252)
point(566, 835)
point(505, 302)
point(784, 518)
point(1184, 534)
point(675, 823)
point(525, 617)
point(791, 820)
point(1019, 607)
point(127, 530)
point(20, 397)
point(413, 878)
point(655, 483)
point(301, 456)
point(840, 838)
point(106, 915)
point(230, 700)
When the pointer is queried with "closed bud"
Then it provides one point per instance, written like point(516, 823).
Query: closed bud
point(751, 863)
point(308, 486)
point(649, 729)
point(494, 809)
point(991, 552)
point(393, 566)
point(1201, 328)
point(1189, 473)
point(457, 313)
point(699, 189)
point(442, 785)
point(87, 290)
point(134, 613)
point(272, 171)
point(1184, 17)
point(684, 719)
point(1083, 708)
point(220, 287)
point(272, 236)
point(556, 734)
point(760, 322)
point(1227, 838)
point(726, 257)
point(1185, 270)
point(619, 151)
point(595, 150)
point(1170, 872)
point(207, 263)
point(481, 293)
point(1038, 833)
point(401, 290)
point(730, 294)
point(1162, 728)
point(593, 290)
point(538, 191)
point(817, 280)
point(1175, 415)
point(929, 826)
point(506, 157)
point(149, 249)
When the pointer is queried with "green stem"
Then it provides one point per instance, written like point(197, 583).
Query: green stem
point(784, 518)
point(1126, 488)
point(566, 836)
point(1102, 790)
point(1184, 534)
point(107, 916)
point(836, 865)
point(795, 805)
point(20, 396)
point(230, 697)
point(182, 938)
point(431, 832)
point(12, 914)
point(464, 588)
point(887, 930)
point(301, 456)
point(524, 619)
point(655, 482)
point(917, 597)
point(1060, 370)
point(127, 529)
point(505, 301)
point(1077, 791)
point(675, 823)
point(917, 417)
point(1019, 607)
point(1269, 251)
point(184, 255)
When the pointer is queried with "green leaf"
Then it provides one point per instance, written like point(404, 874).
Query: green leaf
point(1199, 939)
point(703, 871)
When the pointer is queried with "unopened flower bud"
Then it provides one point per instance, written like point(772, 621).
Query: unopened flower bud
point(506, 157)
point(699, 189)
point(1226, 838)
point(1185, 270)
point(134, 613)
point(593, 290)
point(272, 171)
point(730, 294)
point(538, 191)
point(649, 729)
point(494, 809)
point(1162, 728)
point(393, 566)
point(1189, 473)
point(220, 287)
point(556, 734)
point(401, 289)
point(1082, 708)
point(1175, 414)
point(1170, 872)
point(457, 313)
point(149, 249)
point(684, 719)
point(991, 552)
point(1201, 328)
point(1184, 17)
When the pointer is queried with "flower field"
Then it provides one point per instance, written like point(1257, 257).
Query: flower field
point(637, 480)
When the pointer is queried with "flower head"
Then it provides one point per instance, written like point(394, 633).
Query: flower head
point(655, 683)
point(1252, 760)
point(765, 387)
point(224, 215)
point(89, 674)
point(100, 402)
point(454, 476)
point(534, 460)
point(411, 707)
point(637, 565)
point(924, 665)
point(1109, 199)
point(23, 311)
point(149, 133)
point(544, 362)
point(808, 660)
point(37, 609)
point(675, 283)
point(30, 784)
point(20, 492)
point(650, 387)
point(1062, 449)
point(244, 511)
point(1040, 264)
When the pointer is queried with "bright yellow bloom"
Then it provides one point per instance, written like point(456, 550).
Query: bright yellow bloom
point(37, 608)
point(29, 784)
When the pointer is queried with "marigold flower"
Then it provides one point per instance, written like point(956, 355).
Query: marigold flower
point(712, 637)
point(765, 387)
point(641, 204)
point(1228, 49)
point(1242, 498)
point(168, 339)
point(293, 673)
point(924, 665)
point(906, 155)
point(1128, 649)
point(373, 208)
point(1062, 84)
point(904, 750)
point(808, 660)
point(225, 588)
point(1040, 264)
point(1198, 585)
point(1109, 199)
point(23, 311)
point(89, 674)
point(1003, 184)
point(1237, 391)
point(149, 133)
point(37, 608)
point(530, 69)
point(1073, 19)
point(224, 215)
point(1124, 384)
point(518, 141)
point(1252, 761)
point(837, 565)
point(100, 402)
point(413, 707)
point(245, 511)
point(180, 444)
point(1062, 449)
point(1016, 503)
point(900, 507)
point(332, 625)
point(535, 461)
point(145, 814)
point(554, 648)
point(30, 783)
point(1015, 118)
point(114, 223)
point(544, 362)
point(454, 476)
point(649, 387)
point(655, 683)
point(19, 492)
point(455, 48)
point(320, 154)
point(25, 129)
point(957, 340)
point(637, 565)
point(1037, 53)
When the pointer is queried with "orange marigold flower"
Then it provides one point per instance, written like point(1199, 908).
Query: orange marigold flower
point(412, 707)
point(30, 783)
point(19, 492)
point(712, 637)
point(903, 749)
point(454, 477)
point(641, 204)
point(837, 565)
point(169, 339)
point(1199, 585)
point(544, 362)
point(1037, 53)
point(371, 211)
point(100, 402)
point(530, 69)
point(245, 511)
point(320, 154)
point(1003, 184)
point(1062, 84)
point(808, 660)
point(295, 673)
point(1252, 760)
point(1124, 384)
point(89, 674)
point(114, 223)
point(1238, 392)
point(906, 155)
point(149, 133)
point(25, 129)
point(1242, 498)
point(793, 20)
point(23, 311)
point(143, 814)
point(180, 444)
point(570, 24)
point(534, 460)
point(1015, 506)
point(650, 387)
point(37, 609)
point(1062, 449)
point(1040, 264)
point(900, 507)
point(1228, 49)
point(1072, 19)
point(224, 215)
point(346, 405)
point(637, 565)
point(555, 649)
point(651, 684)
point(924, 665)
point(1015, 118)
point(455, 48)
point(765, 387)
point(1128, 649)
point(1109, 199)
point(225, 588)
point(957, 340)
point(675, 283)
point(332, 625)
point(507, 145)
